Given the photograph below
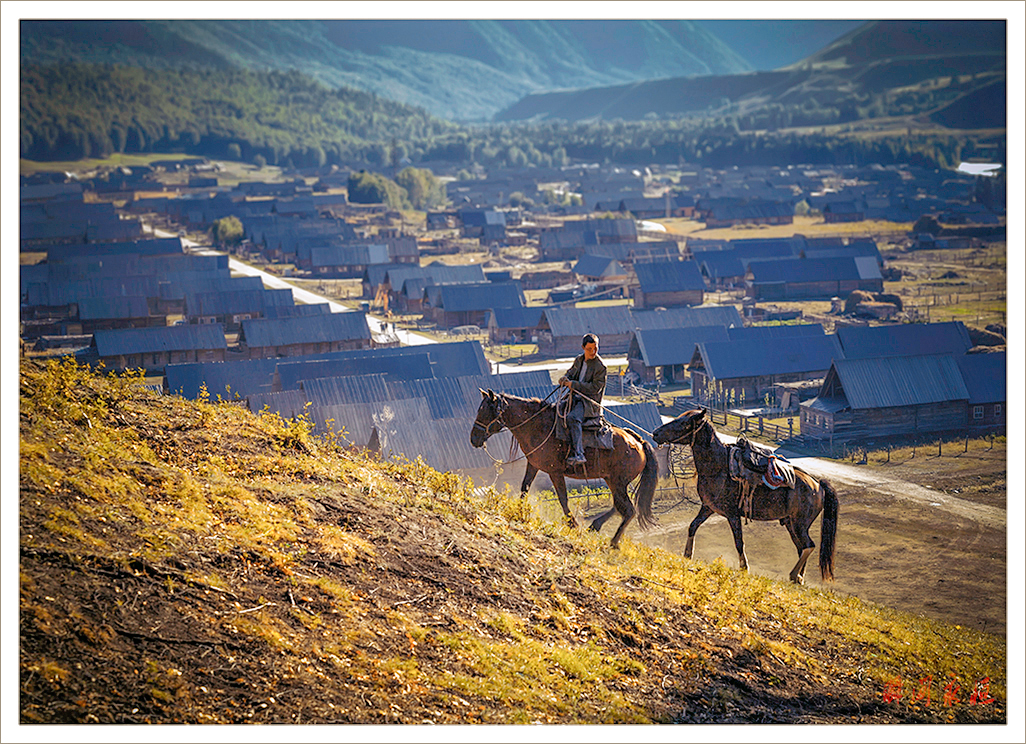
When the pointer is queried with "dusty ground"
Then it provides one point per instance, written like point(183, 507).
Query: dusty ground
point(906, 538)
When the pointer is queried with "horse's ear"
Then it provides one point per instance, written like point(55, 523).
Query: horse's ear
point(483, 393)
point(491, 394)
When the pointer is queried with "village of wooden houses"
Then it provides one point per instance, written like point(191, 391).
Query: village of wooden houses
point(815, 332)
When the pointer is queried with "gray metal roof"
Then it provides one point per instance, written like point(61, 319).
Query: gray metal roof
point(147, 246)
point(592, 265)
point(642, 418)
point(348, 255)
point(516, 317)
point(227, 379)
point(107, 308)
point(665, 346)
point(907, 339)
point(801, 270)
point(985, 376)
point(669, 276)
point(277, 332)
point(684, 317)
point(886, 382)
point(775, 356)
point(291, 373)
point(227, 303)
point(576, 321)
point(753, 333)
point(147, 340)
point(720, 264)
point(176, 287)
point(472, 297)
point(291, 311)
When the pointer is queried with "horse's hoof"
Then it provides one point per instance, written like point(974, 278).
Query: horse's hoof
point(594, 527)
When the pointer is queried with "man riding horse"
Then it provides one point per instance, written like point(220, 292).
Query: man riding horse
point(586, 380)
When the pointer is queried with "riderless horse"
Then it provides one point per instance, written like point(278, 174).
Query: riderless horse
point(533, 424)
point(796, 507)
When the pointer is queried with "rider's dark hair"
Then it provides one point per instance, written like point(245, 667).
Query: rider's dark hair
point(589, 338)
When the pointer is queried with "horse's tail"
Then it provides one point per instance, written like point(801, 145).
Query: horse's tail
point(828, 531)
point(647, 486)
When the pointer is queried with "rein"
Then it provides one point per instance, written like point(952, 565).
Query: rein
point(498, 418)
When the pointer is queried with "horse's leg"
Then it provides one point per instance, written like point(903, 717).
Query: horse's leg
point(734, 520)
point(804, 544)
point(703, 514)
point(622, 503)
point(559, 483)
point(529, 473)
point(597, 522)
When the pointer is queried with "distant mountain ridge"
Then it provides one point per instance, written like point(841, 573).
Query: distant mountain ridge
point(464, 70)
point(884, 68)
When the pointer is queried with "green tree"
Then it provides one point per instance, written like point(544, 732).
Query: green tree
point(373, 188)
point(422, 188)
point(228, 231)
point(234, 151)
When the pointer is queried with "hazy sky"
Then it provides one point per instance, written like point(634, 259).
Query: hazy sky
point(769, 44)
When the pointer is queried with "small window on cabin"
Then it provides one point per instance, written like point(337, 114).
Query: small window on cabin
point(977, 412)
point(997, 409)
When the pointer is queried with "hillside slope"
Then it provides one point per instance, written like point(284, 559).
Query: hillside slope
point(884, 68)
point(463, 70)
point(189, 562)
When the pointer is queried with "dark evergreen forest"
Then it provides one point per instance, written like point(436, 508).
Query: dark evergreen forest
point(72, 111)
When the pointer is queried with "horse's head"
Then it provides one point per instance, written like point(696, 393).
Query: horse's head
point(682, 429)
point(489, 418)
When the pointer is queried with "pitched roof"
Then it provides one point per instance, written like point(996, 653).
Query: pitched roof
point(148, 340)
point(794, 354)
point(227, 303)
point(985, 376)
point(106, 308)
point(753, 333)
point(576, 321)
point(887, 382)
point(669, 276)
point(147, 246)
point(718, 264)
point(253, 376)
point(907, 339)
point(515, 317)
point(592, 265)
point(455, 298)
point(291, 374)
point(798, 270)
point(291, 311)
point(262, 332)
point(664, 346)
point(348, 255)
point(685, 317)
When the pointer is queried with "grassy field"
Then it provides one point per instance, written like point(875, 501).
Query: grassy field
point(191, 562)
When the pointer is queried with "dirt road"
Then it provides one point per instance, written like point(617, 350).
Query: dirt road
point(899, 544)
point(853, 475)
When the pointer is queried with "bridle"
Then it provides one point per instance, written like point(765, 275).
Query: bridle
point(501, 404)
point(694, 433)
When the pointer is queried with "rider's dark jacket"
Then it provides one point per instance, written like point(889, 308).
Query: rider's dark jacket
point(588, 378)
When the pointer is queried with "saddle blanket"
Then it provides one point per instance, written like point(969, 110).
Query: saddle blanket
point(597, 433)
point(748, 460)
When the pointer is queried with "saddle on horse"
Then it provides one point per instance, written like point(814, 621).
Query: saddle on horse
point(752, 464)
point(597, 433)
